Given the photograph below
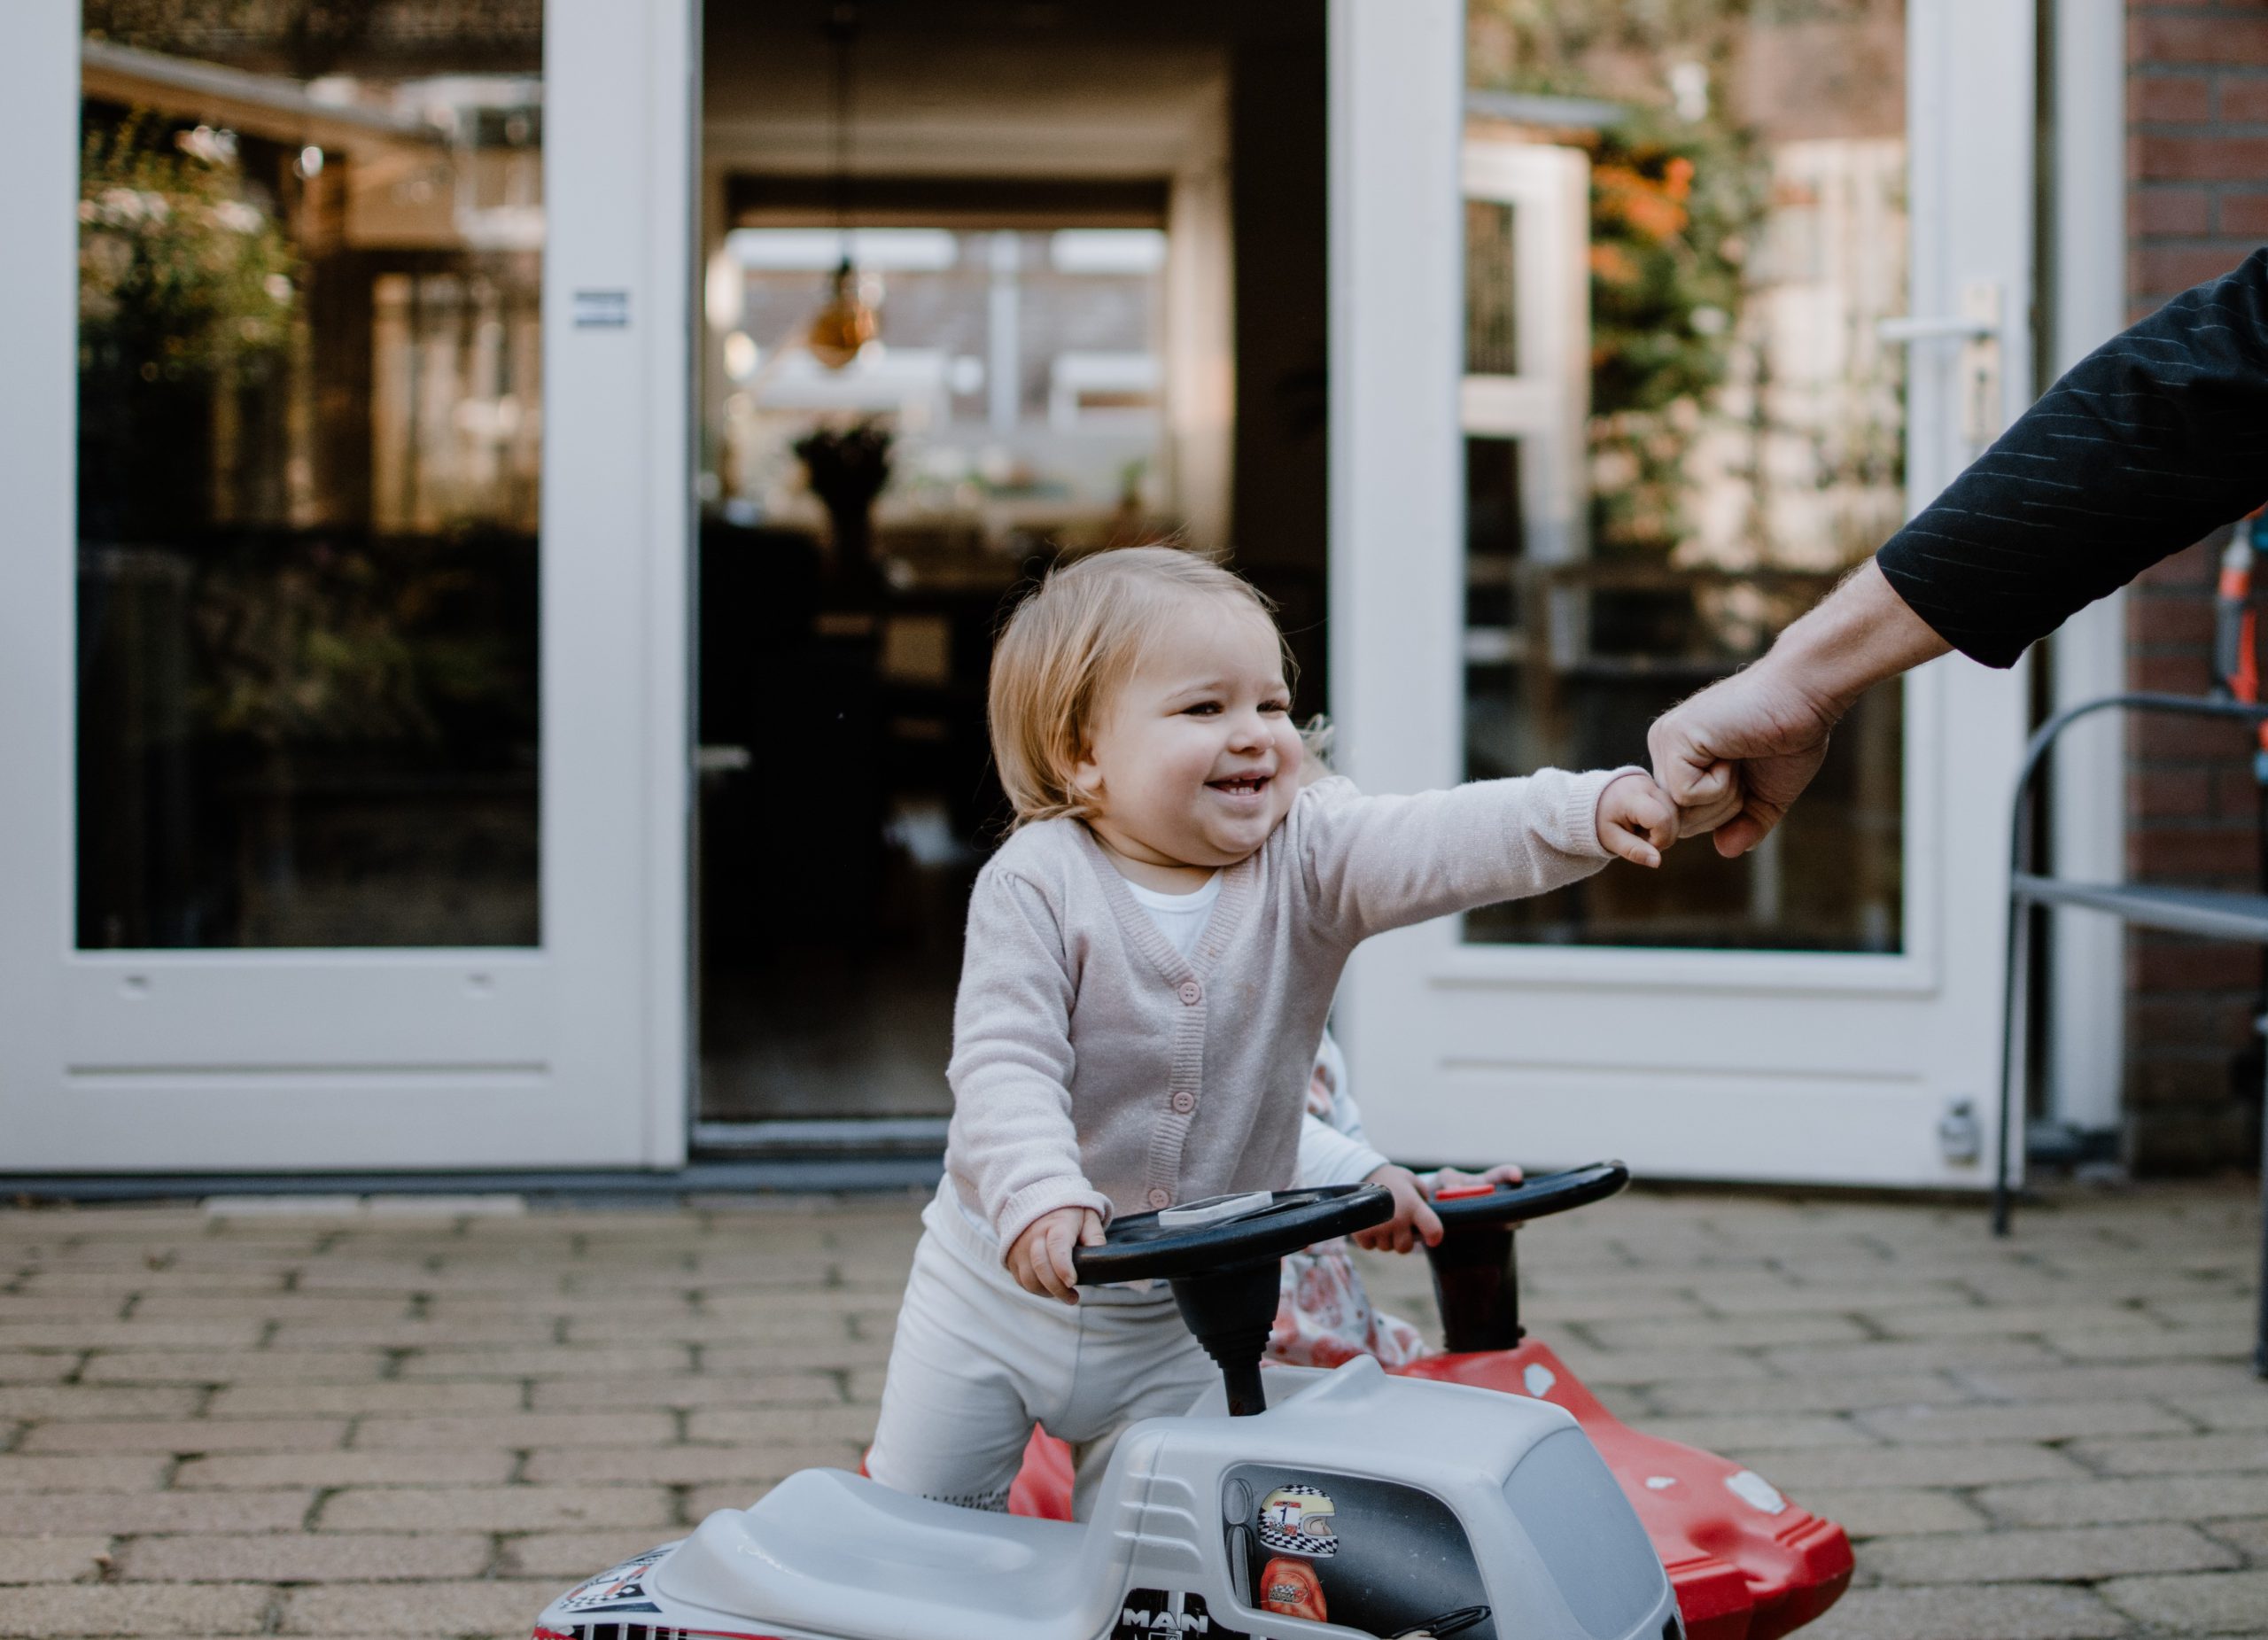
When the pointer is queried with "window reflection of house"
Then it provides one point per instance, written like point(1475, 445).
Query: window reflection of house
point(314, 550)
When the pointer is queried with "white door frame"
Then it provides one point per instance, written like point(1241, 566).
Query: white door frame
point(2086, 999)
point(1865, 1051)
point(573, 1053)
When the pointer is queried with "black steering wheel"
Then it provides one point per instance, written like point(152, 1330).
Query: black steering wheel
point(1539, 1197)
point(1243, 1229)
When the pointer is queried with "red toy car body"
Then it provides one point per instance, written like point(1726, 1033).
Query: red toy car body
point(1745, 1562)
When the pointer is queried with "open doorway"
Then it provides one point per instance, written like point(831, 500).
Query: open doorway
point(1061, 272)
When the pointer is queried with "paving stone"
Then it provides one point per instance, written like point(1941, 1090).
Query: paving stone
point(2062, 1421)
point(1984, 1463)
point(2154, 1498)
point(304, 1557)
point(2174, 1454)
point(1889, 1511)
point(2159, 1344)
point(22, 1366)
point(1936, 1354)
point(490, 1466)
point(806, 1424)
point(438, 1608)
point(44, 1612)
point(516, 1430)
point(1757, 1432)
point(253, 1366)
point(2173, 1381)
point(352, 1400)
point(586, 1361)
point(2247, 1411)
point(83, 1401)
point(1726, 1332)
point(2005, 1320)
point(493, 1508)
point(122, 1512)
point(52, 1473)
point(2249, 1538)
point(2065, 1555)
point(780, 1389)
point(188, 1435)
point(693, 1465)
point(239, 1334)
point(2004, 1612)
point(1813, 1393)
point(572, 1557)
point(51, 1559)
point(2222, 1603)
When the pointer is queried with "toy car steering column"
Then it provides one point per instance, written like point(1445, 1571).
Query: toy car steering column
point(1476, 1281)
point(1224, 1258)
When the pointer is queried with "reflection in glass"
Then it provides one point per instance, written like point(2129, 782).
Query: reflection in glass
point(1741, 444)
point(310, 446)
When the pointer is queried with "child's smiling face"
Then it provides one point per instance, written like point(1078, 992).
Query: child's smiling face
point(1193, 759)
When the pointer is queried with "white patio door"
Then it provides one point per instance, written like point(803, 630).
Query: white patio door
point(1669, 417)
point(342, 695)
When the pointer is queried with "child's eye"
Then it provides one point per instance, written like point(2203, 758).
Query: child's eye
point(1202, 709)
point(1276, 706)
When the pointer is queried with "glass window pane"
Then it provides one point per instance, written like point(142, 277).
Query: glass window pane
point(1491, 296)
point(310, 420)
point(1744, 443)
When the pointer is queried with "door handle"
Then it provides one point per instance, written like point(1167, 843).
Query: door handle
point(709, 762)
point(1977, 329)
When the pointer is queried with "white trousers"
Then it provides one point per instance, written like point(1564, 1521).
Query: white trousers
point(977, 1361)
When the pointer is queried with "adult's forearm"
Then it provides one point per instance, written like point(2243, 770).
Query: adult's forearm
point(1860, 634)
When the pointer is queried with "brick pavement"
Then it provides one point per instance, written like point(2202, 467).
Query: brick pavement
point(407, 1425)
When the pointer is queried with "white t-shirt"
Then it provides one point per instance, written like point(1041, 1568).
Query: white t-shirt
point(1181, 917)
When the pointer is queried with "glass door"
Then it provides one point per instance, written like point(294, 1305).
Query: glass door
point(354, 772)
point(1684, 407)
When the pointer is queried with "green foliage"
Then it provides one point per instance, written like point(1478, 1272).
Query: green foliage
point(1675, 204)
point(179, 273)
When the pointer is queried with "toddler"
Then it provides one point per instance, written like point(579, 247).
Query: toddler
point(1150, 957)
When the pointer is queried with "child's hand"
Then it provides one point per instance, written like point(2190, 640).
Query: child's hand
point(1715, 798)
point(1453, 1178)
point(1637, 820)
point(1040, 1259)
point(1413, 1221)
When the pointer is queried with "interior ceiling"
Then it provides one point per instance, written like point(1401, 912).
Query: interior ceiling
point(963, 86)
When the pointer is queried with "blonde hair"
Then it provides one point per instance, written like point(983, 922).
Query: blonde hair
point(1067, 647)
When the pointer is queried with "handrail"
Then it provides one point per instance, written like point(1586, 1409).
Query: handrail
point(2020, 865)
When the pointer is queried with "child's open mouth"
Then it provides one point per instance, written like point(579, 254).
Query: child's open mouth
point(1242, 785)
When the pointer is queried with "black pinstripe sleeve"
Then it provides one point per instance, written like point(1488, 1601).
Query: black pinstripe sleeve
point(2151, 443)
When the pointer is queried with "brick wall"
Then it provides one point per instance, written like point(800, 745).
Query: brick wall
point(2197, 113)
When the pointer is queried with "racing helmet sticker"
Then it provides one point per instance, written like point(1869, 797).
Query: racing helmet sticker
point(1296, 1519)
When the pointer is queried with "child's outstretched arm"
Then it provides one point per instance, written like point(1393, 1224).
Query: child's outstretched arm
point(1012, 1137)
point(1379, 863)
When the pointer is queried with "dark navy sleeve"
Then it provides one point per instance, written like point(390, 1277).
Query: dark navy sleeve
point(2151, 443)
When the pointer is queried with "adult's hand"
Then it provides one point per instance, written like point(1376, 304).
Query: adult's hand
point(1746, 747)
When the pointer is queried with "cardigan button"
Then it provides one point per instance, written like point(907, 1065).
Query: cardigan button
point(1161, 1197)
point(1192, 992)
point(1183, 1102)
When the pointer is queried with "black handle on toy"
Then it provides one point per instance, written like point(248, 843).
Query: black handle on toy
point(1476, 1281)
point(1225, 1275)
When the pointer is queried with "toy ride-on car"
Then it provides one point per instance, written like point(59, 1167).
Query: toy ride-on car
point(1337, 1504)
point(1747, 1564)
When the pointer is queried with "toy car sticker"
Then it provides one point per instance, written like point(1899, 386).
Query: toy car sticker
point(1296, 1521)
point(618, 1589)
point(1168, 1614)
point(1289, 1588)
point(1358, 1551)
point(1757, 1493)
point(1538, 1380)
